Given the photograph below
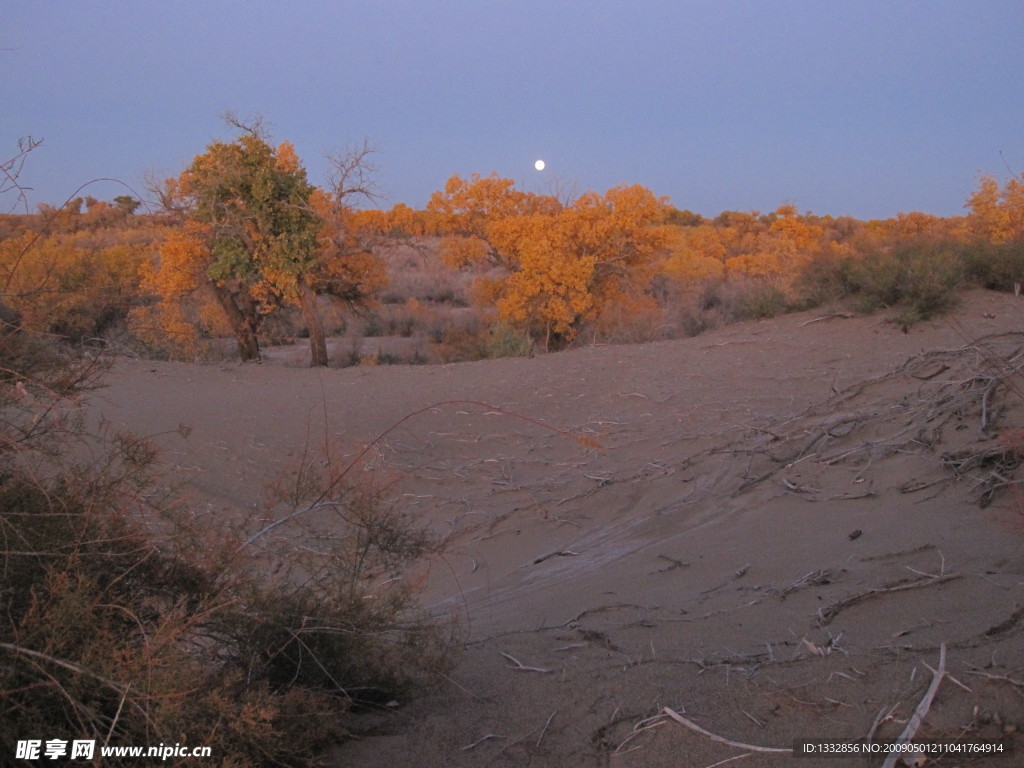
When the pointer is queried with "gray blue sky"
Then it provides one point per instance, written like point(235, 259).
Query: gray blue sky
point(852, 107)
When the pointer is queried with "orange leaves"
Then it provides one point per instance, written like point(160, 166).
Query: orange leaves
point(997, 215)
point(695, 253)
point(184, 257)
point(74, 284)
point(286, 159)
point(551, 285)
point(354, 276)
point(775, 246)
point(790, 233)
point(563, 263)
point(463, 250)
point(754, 265)
point(178, 275)
point(468, 207)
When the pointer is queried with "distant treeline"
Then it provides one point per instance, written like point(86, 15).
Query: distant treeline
point(243, 246)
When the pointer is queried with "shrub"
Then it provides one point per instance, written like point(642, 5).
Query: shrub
point(374, 326)
point(462, 344)
point(920, 281)
point(125, 622)
point(997, 267)
point(760, 300)
point(505, 341)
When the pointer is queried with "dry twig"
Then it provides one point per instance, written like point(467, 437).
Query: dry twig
point(922, 710)
point(481, 740)
point(827, 614)
point(721, 740)
point(523, 667)
point(545, 730)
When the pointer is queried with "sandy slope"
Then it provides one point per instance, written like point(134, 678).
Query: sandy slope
point(729, 549)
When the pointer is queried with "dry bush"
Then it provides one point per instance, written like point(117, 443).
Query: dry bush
point(415, 271)
point(715, 302)
point(125, 621)
point(462, 343)
point(920, 282)
point(631, 320)
point(996, 267)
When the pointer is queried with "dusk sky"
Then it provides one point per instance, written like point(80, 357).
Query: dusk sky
point(860, 107)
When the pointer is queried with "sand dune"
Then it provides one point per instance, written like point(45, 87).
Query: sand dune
point(770, 529)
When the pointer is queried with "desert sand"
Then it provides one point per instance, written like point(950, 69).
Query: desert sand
point(773, 530)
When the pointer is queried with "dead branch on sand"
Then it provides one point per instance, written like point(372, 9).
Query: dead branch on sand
point(919, 714)
point(1003, 678)
point(862, 423)
point(720, 739)
point(826, 615)
point(481, 740)
point(831, 316)
point(730, 759)
point(545, 730)
point(519, 665)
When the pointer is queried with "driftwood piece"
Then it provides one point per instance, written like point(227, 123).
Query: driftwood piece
point(720, 739)
point(922, 710)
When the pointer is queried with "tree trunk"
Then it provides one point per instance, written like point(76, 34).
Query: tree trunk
point(317, 337)
point(242, 326)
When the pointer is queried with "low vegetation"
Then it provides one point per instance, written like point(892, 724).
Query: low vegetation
point(129, 620)
point(243, 247)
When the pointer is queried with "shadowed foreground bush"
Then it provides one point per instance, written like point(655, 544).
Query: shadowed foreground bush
point(120, 625)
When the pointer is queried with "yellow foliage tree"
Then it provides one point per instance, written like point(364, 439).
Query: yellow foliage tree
point(695, 254)
point(253, 238)
point(549, 289)
point(467, 208)
point(779, 251)
point(346, 268)
point(997, 215)
point(180, 281)
point(73, 284)
point(258, 236)
point(568, 264)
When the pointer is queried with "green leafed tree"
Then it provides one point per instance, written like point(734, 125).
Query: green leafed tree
point(249, 205)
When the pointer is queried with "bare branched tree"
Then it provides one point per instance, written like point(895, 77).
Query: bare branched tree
point(11, 169)
point(352, 177)
point(254, 126)
point(565, 191)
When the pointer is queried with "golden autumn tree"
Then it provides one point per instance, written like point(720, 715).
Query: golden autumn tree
point(250, 238)
point(179, 279)
point(346, 267)
point(564, 264)
point(779, 249)
point(623, 231)
point(695, 253)
point(549, 287)
point(997, 214)
point(466, 209)
point(78, 284)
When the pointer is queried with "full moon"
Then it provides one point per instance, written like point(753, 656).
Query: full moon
point(539, 165)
